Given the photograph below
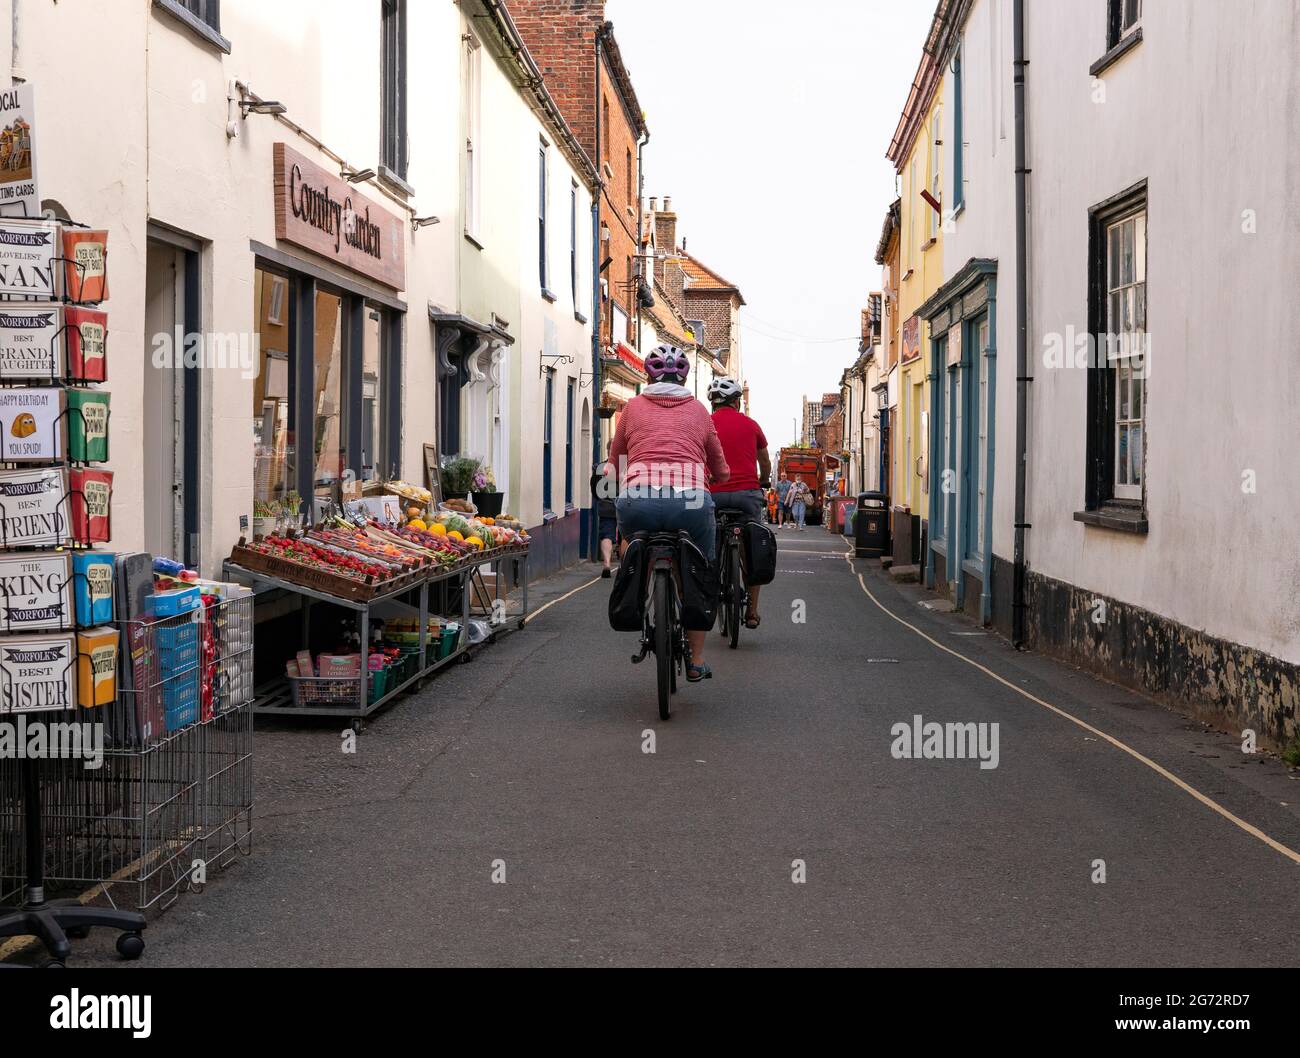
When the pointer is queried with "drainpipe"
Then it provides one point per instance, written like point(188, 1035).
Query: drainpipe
point(640, 232)
point(1022, 329)
point(597, 382)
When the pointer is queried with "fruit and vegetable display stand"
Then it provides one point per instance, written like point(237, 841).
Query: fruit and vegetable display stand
point(366, 566)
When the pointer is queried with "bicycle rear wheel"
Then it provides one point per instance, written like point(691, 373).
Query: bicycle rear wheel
point(663, 643)
point(735, 589)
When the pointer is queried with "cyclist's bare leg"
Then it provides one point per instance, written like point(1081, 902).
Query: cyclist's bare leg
point(696, 641)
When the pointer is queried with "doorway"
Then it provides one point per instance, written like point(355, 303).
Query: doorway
point(172, 425)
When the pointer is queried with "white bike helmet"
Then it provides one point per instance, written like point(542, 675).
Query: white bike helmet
point(723, 390)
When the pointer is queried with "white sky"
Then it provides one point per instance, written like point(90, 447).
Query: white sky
point(769, 123)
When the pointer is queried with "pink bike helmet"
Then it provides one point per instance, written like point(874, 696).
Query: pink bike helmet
point(667, 363)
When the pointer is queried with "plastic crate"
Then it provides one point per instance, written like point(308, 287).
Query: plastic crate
point(180, 703)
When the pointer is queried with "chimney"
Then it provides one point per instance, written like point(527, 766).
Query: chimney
point(654, 203)
point(666, 228)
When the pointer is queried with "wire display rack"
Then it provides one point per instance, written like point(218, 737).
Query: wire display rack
point(174, 790)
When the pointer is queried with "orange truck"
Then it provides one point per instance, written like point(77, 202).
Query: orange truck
point(810, 465)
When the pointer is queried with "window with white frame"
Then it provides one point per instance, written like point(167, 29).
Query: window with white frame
point(473, 134)
point(1125, 330)
point(543, 179)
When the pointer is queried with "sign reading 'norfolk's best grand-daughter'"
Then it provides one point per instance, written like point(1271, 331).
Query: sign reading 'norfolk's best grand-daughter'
point(328, 216)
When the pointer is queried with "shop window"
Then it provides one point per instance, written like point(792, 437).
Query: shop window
point(943, 433)
point(329, 436)
point(372, 366)
point(393, 79)
point(273, 437)
point(1117, 391)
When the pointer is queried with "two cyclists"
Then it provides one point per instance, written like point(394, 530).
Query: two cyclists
point(664, 450)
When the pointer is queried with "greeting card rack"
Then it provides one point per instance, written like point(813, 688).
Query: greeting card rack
point(52, 922)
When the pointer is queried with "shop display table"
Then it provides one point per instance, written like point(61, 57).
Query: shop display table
point(280, 697)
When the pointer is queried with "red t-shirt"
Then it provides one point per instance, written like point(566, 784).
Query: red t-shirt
point(742, 439)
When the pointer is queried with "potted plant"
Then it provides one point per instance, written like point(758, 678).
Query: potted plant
point(458, 476)
point(263, 518)
point(486, 497)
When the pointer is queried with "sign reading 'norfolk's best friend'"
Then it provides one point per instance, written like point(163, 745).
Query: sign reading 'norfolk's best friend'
point(33, 508)
point(327, 215)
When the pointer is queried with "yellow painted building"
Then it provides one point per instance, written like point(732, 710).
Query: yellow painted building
point(917, 151)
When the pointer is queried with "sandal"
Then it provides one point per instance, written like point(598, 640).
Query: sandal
point(696, 673)
point(752, 620)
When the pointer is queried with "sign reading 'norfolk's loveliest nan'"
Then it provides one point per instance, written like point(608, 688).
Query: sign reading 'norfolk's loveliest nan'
point(18, 194)
point(327, 215)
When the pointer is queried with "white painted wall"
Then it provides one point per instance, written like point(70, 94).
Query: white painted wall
point(986, 226)
point(1204, 109)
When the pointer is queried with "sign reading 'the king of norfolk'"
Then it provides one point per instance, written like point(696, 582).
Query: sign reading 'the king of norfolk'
point(324, 213)
point(35, 592)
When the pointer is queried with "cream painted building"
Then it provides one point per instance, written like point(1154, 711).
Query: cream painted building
point(292, 181)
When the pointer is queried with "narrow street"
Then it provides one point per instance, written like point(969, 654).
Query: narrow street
point(533, 755)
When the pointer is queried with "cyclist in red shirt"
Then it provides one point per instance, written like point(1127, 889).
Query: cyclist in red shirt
point(745, 447)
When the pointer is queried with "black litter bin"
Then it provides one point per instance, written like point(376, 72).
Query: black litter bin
point(871, 525)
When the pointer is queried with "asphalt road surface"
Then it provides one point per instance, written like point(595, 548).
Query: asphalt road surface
point(530, 765)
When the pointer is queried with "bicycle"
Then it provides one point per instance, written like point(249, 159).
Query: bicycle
point(735, 596)
point(662, 632)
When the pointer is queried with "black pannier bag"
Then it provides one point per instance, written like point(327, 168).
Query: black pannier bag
point(699, 588)
point(758, 554)
point(627, 597)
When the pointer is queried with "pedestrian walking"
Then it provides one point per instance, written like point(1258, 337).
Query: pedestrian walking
point(604, 491)
point(782, 499)
point(800, 494)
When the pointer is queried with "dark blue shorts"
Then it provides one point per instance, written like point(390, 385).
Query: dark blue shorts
point(659, 511)
point(608, 527)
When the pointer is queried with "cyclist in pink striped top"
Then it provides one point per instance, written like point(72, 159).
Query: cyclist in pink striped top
point(666, 452)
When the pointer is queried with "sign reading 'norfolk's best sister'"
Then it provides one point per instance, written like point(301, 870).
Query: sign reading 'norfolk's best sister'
point(328, 216)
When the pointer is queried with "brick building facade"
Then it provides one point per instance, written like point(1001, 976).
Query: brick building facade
point(562, 36)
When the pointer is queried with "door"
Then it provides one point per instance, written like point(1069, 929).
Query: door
point(172, 365)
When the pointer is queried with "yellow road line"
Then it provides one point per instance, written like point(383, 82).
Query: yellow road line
point(1165, 773)
point(541, 610)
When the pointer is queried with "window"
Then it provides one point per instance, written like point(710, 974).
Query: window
point(1123, 17)
point(548, 417)
point(958, 134)
point(573, 243)
point(604, 130)
point(977, 435)
point(329, 432)
point(393, 103)
point(936, 170)
point(206, 11)
point(631, 193)
point(1125, 324)
point(568, 444)
point(617, 324)
point(541, 216)
point(372, 434)
point(944, 461)
point(1117, 374)
point(473, 112)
